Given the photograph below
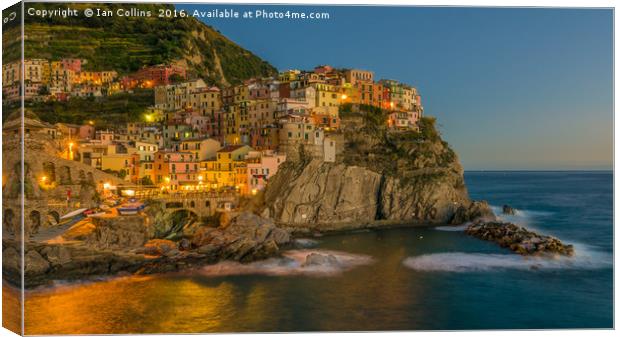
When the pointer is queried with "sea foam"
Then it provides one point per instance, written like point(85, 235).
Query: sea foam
point(291, 263)
point(481, 262)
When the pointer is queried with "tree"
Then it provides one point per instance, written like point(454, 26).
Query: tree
point(175, 78)
point(146, 180)
point(44, 90)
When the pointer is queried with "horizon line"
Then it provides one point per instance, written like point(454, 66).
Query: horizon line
point(539, 170)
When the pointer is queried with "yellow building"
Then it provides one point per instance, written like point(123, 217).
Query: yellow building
point(202, 148)
point(289, 75)
point(327, 95)
point(235, 120)
point(349, 94)
point(96, 77)
point(37, 70)
point(11, 73)
point(231, 120)
point(222, 171)
point(354, 76)
point(207, 101)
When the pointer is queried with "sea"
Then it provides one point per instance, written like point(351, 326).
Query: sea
point(390, 279)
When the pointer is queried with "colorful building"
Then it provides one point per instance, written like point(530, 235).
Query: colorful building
point(260, 167)
point(222, 171)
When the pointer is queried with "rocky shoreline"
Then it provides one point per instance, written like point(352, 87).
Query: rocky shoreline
point(518, 239)
point(106, 250)
point(246, 237)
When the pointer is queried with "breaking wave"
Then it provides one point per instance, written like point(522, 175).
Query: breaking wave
point(478, 262)
point(292, 262)
point(521, 216)
point(457, 228)
point(305, 243)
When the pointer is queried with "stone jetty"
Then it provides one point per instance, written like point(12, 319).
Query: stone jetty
point(519, 239)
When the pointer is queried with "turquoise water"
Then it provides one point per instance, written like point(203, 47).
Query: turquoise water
point(398, 279)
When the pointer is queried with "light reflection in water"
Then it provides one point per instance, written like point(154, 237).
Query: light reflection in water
point(191, 302)
point(11, 308)
point(129, 305)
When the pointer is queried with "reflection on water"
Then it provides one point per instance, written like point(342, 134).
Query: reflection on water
point(199, 302)
point(402, 289)
point(11, 308)
point(383, 295)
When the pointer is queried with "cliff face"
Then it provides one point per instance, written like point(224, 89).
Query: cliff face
point(381, 176)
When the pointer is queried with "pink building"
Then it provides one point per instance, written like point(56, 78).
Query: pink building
point(403, 120)
point(260, 167)
point(87, 131)
point(259, 91)
point(183, 169)
point(72, 64)
point(324, 69)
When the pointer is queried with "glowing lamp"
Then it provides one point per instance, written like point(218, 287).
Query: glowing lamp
point(129, 193)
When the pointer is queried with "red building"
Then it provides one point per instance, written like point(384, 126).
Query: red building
point(153, 76)
point(72, 64)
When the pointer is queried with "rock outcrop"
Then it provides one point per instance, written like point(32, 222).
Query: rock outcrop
point(247, 237)
point(66, 261)
point(518, 239)
point(316, 259)
point(123, 233)
point(508, 210)
point(381, 176)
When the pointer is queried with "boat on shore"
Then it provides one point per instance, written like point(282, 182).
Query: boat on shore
point(130, 208)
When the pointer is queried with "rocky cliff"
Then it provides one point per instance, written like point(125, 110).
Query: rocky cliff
point(380, 177)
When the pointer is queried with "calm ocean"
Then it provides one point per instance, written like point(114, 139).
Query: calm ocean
point(398, 279)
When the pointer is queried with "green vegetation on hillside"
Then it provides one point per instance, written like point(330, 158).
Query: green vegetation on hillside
point(419, 155)
point(126, 44)
point(106, 112)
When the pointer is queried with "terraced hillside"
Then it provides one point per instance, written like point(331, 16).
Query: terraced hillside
point(127, 44)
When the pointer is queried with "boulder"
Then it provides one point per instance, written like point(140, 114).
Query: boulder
point(57, 254)
point(507, 210)
point(208, 249)
point(10, 260)
point(315, 259)
point(35, 264)
point(158, 247)
point(244, 237)
point(120, 233)
point(475, 210)
point(184, 244)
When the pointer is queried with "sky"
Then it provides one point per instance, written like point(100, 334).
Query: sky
point(512, 88)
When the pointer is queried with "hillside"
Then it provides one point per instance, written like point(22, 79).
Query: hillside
point(127, 44)
point(381, 177)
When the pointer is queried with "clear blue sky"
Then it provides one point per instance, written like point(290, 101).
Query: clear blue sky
point(511, 88)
